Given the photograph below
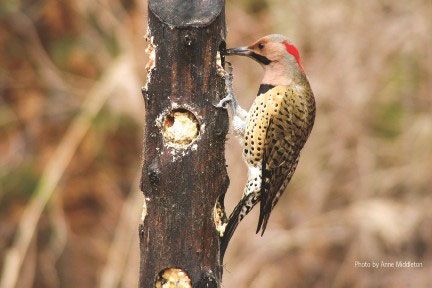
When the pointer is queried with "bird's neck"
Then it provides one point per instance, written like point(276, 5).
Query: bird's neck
point(282, 73)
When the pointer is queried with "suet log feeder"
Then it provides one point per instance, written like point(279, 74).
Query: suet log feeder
point(184, 168)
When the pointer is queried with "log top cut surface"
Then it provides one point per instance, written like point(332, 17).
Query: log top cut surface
point(184, 13)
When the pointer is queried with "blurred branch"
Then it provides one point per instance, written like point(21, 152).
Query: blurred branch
point(28, 274)
point(58, 240)
point(129, 276)
point(119, 249)
point(55, 168)
point(25, 28)
point(376, 218)
point(54, 78)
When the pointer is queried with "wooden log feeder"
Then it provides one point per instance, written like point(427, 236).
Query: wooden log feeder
point(184, 170)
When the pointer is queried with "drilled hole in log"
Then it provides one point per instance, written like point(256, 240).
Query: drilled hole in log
point(220, 59)
point(173, 278)
point(180, 128)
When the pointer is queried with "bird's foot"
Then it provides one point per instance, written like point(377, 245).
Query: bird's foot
point(229, 98)
point(226, 100)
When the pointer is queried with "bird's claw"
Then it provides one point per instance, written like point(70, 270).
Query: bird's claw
point(228, 71)
point(229, 99)
point(223, 103)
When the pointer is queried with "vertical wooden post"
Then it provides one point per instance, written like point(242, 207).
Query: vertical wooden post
point(184, 164)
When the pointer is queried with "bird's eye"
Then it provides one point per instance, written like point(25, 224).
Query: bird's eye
point(261, 46)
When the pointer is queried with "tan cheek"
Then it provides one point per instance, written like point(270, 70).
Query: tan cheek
point(278, 53)
point(271, 54)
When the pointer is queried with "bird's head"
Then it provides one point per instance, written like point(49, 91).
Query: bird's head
point(279, 57)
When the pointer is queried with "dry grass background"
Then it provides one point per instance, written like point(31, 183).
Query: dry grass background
point(71, 118)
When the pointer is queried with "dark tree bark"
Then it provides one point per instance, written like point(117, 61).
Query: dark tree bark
point(184, 167)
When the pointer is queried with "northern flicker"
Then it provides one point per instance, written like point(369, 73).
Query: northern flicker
point(274, 130)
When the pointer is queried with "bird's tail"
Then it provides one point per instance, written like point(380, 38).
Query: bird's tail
point(240, 211)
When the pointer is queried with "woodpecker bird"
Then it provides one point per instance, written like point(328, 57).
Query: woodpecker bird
point(274, 130)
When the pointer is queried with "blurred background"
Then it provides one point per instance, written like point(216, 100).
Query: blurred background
point(71, 117)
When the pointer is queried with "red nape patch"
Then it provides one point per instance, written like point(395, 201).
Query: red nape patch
point(291, 49)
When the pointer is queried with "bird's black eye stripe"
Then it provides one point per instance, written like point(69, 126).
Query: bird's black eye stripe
point(260, 58)
point(261, 46)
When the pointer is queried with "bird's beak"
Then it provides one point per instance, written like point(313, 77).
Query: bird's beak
point(246, 51)
point(242, 51)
